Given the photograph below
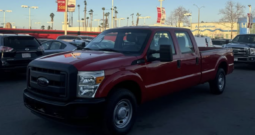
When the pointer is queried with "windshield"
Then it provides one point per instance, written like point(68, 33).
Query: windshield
point(219, 42)
point(123, 41)
point(244, 39)
point(87, 37)
point(20, 42)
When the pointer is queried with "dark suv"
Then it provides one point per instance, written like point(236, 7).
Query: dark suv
point(17, 51)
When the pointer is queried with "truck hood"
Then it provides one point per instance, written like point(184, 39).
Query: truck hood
point(240, 45)
point(89, 60)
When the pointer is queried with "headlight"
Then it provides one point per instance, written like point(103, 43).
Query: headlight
point(252, 51)
point(88, 83)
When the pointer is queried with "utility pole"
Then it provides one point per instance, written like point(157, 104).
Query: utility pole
point(198, 17)
point(112, 14)
point(29, 7)
point(161, 10)
point(65, 21)
point(79, 16)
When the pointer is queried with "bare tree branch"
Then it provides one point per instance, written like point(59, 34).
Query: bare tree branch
point(231, 13)
point(177, 17)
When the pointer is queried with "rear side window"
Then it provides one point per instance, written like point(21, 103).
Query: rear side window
point(20, 42)
point(184, 42)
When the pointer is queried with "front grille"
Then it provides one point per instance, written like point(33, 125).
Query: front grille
point(57, 82)
point(240, 51)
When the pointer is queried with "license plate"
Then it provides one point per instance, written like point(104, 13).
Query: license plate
point(235, 59)
point(26, 55)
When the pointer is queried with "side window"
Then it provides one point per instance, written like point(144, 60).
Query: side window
point(46, 45)
point(184, 42)
point(55, 46)
point(63, 46)
point(161, 38)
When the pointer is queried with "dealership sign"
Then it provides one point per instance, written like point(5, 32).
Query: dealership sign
point(71, 4)
point(161, 15)
point(61, 5)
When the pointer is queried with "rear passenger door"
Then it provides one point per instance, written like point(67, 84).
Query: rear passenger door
point(161, 76)
point(189, 62)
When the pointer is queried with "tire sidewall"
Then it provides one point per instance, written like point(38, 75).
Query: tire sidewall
point(221, 71)
point(117, 96)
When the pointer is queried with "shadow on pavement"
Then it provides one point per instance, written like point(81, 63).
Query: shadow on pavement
point(10, 77)
point(241, 66)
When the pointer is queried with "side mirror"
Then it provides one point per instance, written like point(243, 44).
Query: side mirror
point(165, 53)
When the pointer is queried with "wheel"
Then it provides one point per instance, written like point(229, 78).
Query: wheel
point(120, 112)
point(218, 84)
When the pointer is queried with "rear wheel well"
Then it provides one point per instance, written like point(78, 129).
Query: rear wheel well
point(224, 66)
point(131, 86)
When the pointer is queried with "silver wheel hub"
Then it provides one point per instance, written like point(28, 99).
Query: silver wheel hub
point(221, 81)
point(122, 113)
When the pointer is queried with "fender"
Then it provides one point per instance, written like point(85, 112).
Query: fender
point(220, 60)
point(118, 77)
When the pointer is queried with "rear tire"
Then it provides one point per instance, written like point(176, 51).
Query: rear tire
point(120, 112)
point(218, 84)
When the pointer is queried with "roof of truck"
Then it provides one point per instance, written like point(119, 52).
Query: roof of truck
point(149, 27)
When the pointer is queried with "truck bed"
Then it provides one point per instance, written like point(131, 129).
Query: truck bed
point(210, 57)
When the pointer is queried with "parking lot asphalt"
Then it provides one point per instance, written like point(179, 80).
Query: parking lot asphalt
point(193, 111)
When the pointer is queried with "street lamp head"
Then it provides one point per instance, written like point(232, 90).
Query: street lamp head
point(34, 7)
point(1, 10)
point(24, 6)
point(8, 10)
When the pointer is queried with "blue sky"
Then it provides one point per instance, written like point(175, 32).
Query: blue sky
point(125, 8)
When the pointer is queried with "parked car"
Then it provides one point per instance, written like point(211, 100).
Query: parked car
point(41, 40)
point(57, 46)
point(70, 38)
point(243, 48)
point(119, 70)
point(86, 38)
point(204, 41)
point(17, 51)
point(220, 42)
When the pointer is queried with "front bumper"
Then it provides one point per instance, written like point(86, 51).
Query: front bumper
point(85, 111)
point(244, 59)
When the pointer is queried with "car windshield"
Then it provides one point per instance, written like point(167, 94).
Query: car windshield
point(122, 40)
point(87, 37)
point(219, 42)
point(244, 39)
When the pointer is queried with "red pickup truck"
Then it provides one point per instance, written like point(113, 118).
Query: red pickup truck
point(119, 70)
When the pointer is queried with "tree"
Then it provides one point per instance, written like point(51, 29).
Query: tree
point(42, 27)
point(231, 13)
point(49, 27)
point(115, 15)
point(172, 20)
point(83, 21)
point(87, 21)
point(52, 19)
point(85, 14)
point(177, 17)
point(106, 20)
point(137, 21)
point(103, 17)
point(91, 18)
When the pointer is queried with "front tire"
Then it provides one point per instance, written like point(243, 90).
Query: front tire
point(120, 112)
point(218, 84)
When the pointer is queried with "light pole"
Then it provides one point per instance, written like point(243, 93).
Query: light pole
point(29, 7)
point(65, 21)
point(112, 14)
point(189, 15)
point(146, 17)
point(79, 16)
point(161, 10)
point(198, 17)
point(4, 13)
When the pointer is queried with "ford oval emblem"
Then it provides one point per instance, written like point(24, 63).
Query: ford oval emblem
point(42, 82)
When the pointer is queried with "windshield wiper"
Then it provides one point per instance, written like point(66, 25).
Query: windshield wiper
point(108, 49)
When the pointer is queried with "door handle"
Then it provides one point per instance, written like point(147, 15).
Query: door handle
point(197, 60)
point(178, 63)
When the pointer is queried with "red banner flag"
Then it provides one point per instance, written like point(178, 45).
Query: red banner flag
point(61, 5)
point(159, 14)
